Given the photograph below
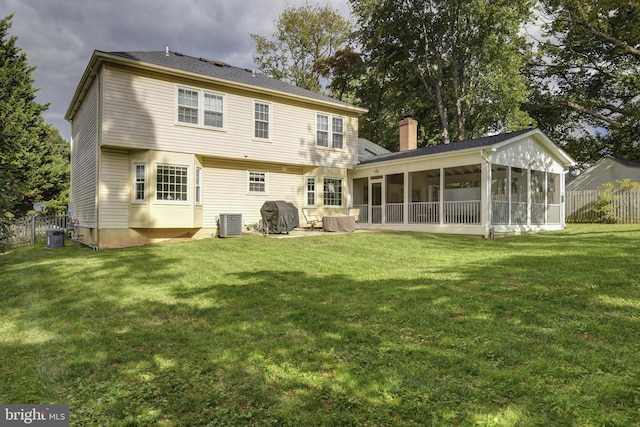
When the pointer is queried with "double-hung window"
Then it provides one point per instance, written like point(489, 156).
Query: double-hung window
point(311, 191)
point(322, 130)
point(213, 110)
point(200, 108)
point(332, 192)
point(337, 133)
point(261, 120)
point(188, 106)
point(140, 185)
point(172, 182)
point(329, 131)
point(257, 182)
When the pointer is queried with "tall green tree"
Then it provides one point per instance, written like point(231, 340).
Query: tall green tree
point(587, 77)
point(303, 36)
point(20, 118)
point(456, 63)
point(45, 170)
point(34, 160)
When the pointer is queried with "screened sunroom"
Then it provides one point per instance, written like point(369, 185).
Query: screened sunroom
point(505, 183)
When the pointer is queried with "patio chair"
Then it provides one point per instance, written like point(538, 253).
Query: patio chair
point(312, 220)
point(354, 212)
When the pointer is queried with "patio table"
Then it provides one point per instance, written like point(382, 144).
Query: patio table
point(339, 223)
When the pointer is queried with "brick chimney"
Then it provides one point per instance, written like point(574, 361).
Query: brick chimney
point(408, 134)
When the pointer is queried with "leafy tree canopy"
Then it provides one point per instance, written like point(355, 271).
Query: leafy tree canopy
point(455, 65)
point(34, 160)
point(303, 36)
point(586, 77)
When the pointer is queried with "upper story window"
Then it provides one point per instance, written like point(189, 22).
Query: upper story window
point(140, 190)
point(337, 133)
point(329, 131)
point(213, 110)
point(172, 182)
point(201, 108)
point(257, 182)
point(188, 106)
point(261, 120)
point(322, 130)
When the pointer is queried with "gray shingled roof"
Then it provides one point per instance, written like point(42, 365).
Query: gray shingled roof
point(220, 70)
point(624, 162)
point(444, 148)
point(368, 149)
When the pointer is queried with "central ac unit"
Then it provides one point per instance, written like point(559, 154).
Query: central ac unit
point(230, 225)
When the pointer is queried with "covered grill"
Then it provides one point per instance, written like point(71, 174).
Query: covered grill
point(279, 216)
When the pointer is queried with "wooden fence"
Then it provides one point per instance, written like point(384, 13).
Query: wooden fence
point(597, 206)
point(29, 230)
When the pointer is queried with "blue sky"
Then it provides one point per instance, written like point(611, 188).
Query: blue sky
point(59, 36)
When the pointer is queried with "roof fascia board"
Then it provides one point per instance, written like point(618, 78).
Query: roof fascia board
point(433, 156)
point(546, 142)
point(83, 86)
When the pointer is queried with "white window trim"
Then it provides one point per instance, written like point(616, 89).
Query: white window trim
point(135, 182)
point(306, 191)
point(201, 109)
point(198, 186)
point(253, 120)
point(266, 183)
point(188, 193)
point(333, 132)
point(342, 180)
point(330, 131)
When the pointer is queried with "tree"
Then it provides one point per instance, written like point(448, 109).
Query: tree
point(587, 77)
point(45, 169)
point(344, 68)
point(33, 157)
point(457, 63)
point(303, 36)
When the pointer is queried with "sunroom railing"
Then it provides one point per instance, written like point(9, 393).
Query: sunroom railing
point(424, 213)
point(364, 213)
point(467, 212)
point(538, 213)
point(519, 213)
point(499, 212)
point(394, 213)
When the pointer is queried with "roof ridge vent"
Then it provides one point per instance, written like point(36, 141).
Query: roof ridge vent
point(219, 63)
point(203, 59)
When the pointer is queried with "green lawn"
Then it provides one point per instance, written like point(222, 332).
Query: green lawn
point(350, 329)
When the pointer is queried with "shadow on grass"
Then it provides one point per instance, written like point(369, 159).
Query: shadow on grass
point(513, 337)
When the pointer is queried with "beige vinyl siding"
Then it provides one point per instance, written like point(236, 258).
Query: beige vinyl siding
point(83, 153)
point(115, 173)
point(140, 112)
point(225, 188)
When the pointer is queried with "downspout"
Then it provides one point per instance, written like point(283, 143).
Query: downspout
point(98, 158)
point(488, 232)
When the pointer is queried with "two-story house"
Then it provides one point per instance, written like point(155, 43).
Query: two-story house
point(164, 143)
